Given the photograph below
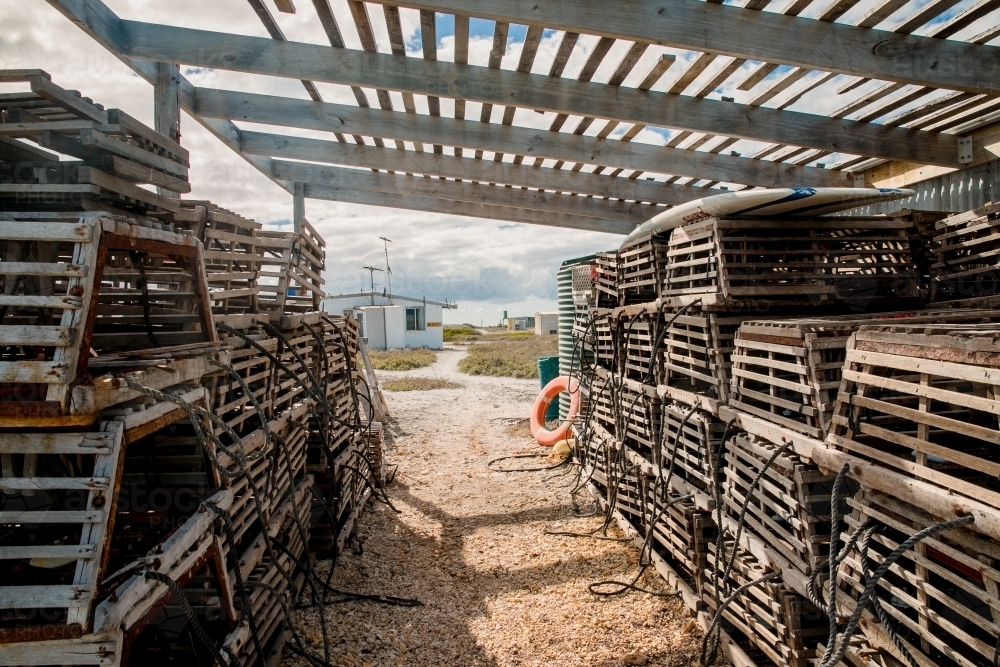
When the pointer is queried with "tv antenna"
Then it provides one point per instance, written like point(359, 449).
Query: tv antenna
point(371, 270)
point(388, 269)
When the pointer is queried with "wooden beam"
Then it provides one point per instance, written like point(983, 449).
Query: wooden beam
point(756, 35)
point(498, 213)
point(486, 171)
point(363, 180)
point(257, 55)
point(281, 111)
point(104, 27)
point(298, 207)
point(896, 174)
point(166, 108)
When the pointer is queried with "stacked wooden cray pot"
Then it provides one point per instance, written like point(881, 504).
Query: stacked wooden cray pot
point(733, 368)
point(181, 428)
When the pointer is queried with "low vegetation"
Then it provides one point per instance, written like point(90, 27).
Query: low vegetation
point(401, 360)
point(419, 384)
point(508, 354)
point(460, 334)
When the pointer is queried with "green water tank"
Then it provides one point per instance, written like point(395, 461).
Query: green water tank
point(548, 370)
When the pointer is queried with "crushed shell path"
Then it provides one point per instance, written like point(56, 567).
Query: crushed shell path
point(471, 545)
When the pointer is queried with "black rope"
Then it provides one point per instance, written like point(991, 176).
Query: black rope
point(136, 258)
point(194, 623)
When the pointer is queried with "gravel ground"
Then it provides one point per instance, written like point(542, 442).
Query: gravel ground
point(471, 544)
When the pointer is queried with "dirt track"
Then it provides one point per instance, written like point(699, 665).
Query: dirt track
point(471, 544)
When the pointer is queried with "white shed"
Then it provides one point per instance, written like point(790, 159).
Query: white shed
point(407, 322)
point(546, 323)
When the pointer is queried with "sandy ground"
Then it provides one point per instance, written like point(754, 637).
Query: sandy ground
point(471, 544)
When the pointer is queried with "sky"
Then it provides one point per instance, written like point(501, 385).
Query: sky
point(486, 266)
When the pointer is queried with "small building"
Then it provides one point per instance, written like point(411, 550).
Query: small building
point(390, 322)
point(546, 323)
point(520, 323)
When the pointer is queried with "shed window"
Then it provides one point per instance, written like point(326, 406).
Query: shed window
point(415, 319)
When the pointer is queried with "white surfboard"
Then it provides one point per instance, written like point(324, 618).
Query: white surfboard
point(766, 203)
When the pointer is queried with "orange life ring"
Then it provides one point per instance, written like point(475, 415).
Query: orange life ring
point(563, 383)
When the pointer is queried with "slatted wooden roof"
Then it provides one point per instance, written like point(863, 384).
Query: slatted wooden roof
point(675, 99)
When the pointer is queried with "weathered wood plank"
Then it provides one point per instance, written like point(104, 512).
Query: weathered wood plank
point(754, 35)
point(533, 91)
point(335, 118)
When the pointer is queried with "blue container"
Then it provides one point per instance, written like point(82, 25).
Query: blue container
point(548, 370)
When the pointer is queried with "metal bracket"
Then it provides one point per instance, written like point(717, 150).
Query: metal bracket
point(859, 180)
point(965, 150)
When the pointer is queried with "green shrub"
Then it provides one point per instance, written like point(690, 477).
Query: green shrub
point(401, 360)
point(460, 334)
point(418, 384)
point(508, 355)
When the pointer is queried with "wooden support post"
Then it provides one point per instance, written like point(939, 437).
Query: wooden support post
point(298, 207)
point(166, 108)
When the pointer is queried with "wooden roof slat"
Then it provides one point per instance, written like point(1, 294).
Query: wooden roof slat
point(987, 35)
point(394, 28)
point(500, 31)
point(988, 106)
point(273, 29)
point(628, 62)
point(837, 9)
point(529, 49)
point(723, 145)
point(362, 180)
point(948, 111)
point(721, 77)
point(759, 73)
point(966, 18)
point(270, 110)
point(892, 105)
point(944, 101)
point(924, 15)
point(797, 7)
point(694, 70)
point(868, 98)
point(451, 207)
point(880, 12)
point(367, 36)
point(269, 57)
point(566, 46)
point(755, 35)
point(813, 85)
point(594, 60)
point(790, 78)
point(350, 155)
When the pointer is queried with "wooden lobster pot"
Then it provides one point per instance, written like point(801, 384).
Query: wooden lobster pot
point(920, 400)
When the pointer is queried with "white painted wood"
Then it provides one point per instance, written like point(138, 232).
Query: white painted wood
point(103, 650)
point(56, 269)
point(12, 597)
point(70, 232)
point(71, 302)
point(95, 534)
point(49, 517)
point(35, 335)
point(85, 255)
point(56, 443)
point(257, 55)
point(47, 551)
point(55, 483)
point(754, 35)
point(42, 372)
